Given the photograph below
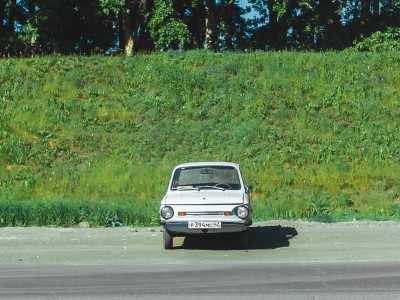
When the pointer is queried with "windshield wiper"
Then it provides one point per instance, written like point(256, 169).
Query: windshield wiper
point(211, 187)
point(186, 188)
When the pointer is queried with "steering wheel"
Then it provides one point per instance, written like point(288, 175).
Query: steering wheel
point(224, 185)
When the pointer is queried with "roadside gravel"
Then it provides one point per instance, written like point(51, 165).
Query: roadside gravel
point(272, 241)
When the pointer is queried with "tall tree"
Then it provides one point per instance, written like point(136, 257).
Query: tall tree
point(363, 17)
point(11, 8)
point(317, 25)
point(191, 13)
point(3, 33)
point(225, 27)
point(232, 26)
point(12, 22)
point(93, 26)
point(210, 25)
point(81, 29)
point(277, 17)
point(129, 13)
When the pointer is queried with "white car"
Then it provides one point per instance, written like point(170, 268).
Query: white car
point(206, 198)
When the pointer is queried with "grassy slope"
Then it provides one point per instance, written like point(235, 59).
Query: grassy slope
point(317, 134)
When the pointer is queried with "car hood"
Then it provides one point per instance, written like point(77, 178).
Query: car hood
point(204, 197)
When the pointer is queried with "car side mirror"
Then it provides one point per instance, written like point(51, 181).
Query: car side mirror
point(248, 188)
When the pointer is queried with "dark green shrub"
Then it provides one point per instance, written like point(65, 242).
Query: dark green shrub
point(379, 41)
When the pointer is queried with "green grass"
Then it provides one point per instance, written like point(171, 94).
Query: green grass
point(317, 134)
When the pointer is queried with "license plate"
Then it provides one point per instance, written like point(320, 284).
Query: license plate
point(204, 224)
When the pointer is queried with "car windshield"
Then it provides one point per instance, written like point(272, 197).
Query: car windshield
point(206, 177)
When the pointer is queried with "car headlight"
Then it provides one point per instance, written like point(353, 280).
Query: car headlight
point(167, 212)
point(242, 212)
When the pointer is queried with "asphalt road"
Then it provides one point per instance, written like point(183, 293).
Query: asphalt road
point(286, 260)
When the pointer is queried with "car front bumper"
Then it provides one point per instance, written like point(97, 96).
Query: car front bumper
point(182, 228)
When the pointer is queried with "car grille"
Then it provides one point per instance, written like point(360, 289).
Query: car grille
point(205, 213)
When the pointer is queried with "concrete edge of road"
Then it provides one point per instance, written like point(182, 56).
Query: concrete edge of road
point(289, 223)
point(283, 223)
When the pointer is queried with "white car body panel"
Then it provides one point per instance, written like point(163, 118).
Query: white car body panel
point(203, 197)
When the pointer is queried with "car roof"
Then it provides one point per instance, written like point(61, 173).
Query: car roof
point(208, 163)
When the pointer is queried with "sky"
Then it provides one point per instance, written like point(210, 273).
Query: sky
point(245, 3)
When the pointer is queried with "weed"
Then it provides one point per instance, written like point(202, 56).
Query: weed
point(315, 133)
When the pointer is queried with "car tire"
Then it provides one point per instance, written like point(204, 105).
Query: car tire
point(167, 239)
point(244, 239)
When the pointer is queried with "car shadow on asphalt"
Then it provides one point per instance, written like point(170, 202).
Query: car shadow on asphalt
point(261, 237)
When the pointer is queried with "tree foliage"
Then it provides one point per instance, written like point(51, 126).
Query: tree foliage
point(104, 26)
point(167, 30)
point(381, 41)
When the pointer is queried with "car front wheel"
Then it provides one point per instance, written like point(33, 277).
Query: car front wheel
point(167, 239)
